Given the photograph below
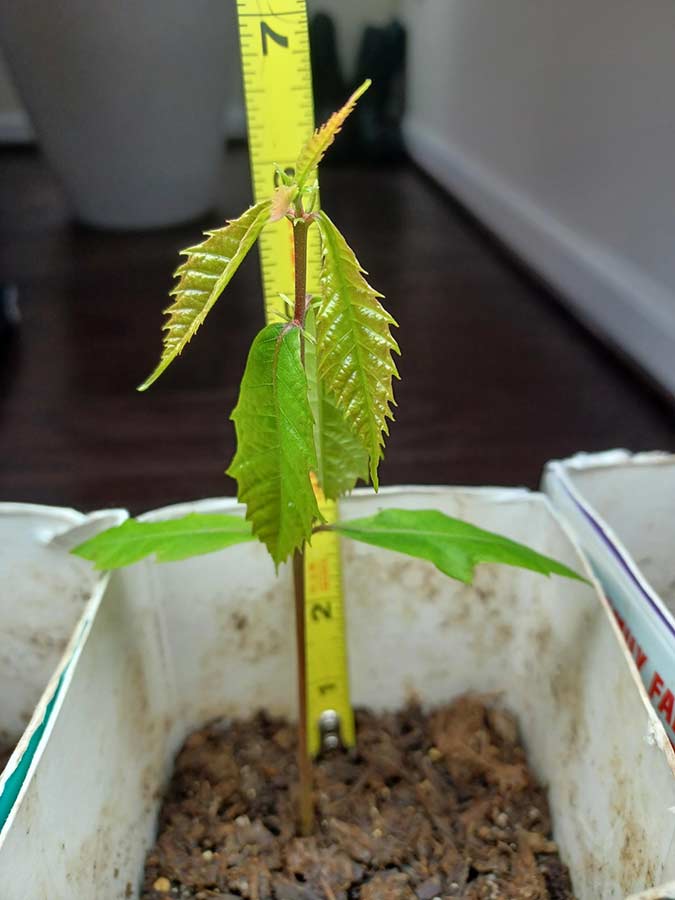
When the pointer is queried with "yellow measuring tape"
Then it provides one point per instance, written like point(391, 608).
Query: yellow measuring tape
point(279, 110)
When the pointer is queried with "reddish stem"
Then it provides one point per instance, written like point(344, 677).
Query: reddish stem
point(306, 808)
point(300, 229)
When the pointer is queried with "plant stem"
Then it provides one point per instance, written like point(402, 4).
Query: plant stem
point(300, 229)
point(306, 810)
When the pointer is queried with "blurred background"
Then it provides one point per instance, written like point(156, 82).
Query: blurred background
point(508, 185)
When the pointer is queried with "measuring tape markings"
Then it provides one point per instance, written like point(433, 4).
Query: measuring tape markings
point(279, 109)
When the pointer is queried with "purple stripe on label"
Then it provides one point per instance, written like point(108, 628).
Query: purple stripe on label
point(619, 556)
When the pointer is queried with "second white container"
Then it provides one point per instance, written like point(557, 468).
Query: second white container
point(47, 596)
point(622, 507)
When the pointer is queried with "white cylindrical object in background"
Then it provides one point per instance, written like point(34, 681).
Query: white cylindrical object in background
point(127, 100)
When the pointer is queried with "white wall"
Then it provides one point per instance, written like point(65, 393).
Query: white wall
point(555, 122)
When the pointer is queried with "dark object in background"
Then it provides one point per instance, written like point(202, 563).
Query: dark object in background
point(9, 311)
point(380, 111)
point(374, 131)
point(328, 81)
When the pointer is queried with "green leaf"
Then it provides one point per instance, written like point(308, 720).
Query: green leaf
point(354, 344)
point(313, 151)
point(275, 442)
point(341, 460)
point(453, 546)
point(203, 277)
point(169, 541)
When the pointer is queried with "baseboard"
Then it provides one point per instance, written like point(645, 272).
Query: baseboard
point(15, 127)
point(613, 297)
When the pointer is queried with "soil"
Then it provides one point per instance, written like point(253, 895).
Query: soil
point(430, 805)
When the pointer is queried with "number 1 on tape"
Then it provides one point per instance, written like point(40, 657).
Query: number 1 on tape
point(279, 111)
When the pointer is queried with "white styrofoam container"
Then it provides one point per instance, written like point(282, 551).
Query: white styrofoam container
point(622, 508)
point(177, 644)
point(46, 597)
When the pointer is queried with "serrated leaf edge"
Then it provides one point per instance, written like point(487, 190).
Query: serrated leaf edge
point(315, 147)
point(378, 427)
point(235, 466)
point(259, 220)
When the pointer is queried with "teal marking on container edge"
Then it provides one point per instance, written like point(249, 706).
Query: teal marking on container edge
point(16, 779)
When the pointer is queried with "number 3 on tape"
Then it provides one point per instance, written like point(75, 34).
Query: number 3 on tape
point(279, 111)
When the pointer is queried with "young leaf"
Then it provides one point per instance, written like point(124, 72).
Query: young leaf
point(275, 442)
point(354, 344)
point(203, 277)
point(282, 198)
point(453, 546)
point(341, 460)
point(169, 541)
point(313, 151)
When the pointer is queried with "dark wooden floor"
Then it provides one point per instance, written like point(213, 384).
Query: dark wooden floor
point(496, 377)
